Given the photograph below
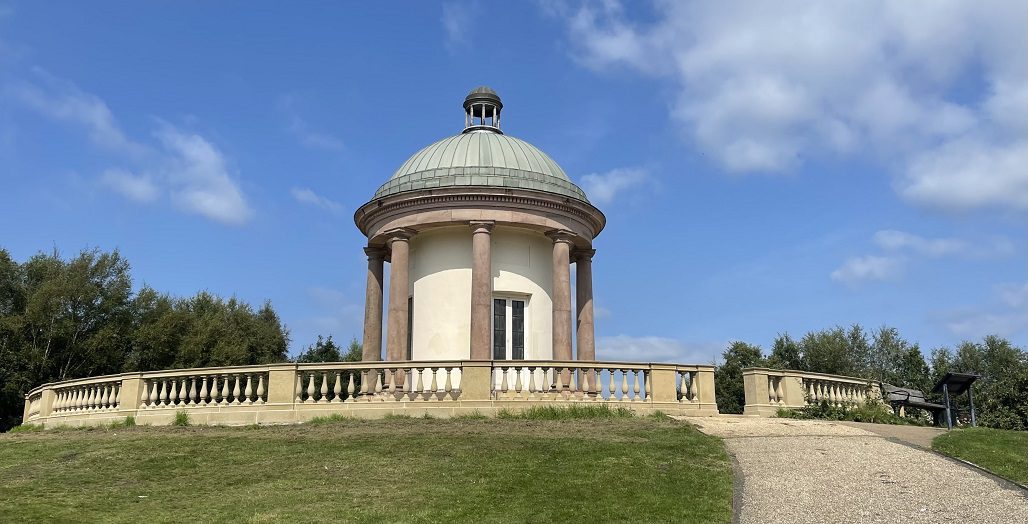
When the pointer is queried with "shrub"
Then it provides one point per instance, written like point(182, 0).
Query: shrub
point(872, 411)
point(181, 419)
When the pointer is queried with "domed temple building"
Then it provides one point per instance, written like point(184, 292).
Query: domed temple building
point(480, 230)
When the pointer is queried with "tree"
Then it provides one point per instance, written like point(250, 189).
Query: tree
point(62, 319)
point(324, 350)
point(728, 385)
point(785, 354)
point(827, 351)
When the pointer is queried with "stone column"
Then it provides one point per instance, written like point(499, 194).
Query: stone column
point(584, 300)
point(372, 347)
point(399, 291)
point(561, 295)
point(481, 290)
point(586, 331)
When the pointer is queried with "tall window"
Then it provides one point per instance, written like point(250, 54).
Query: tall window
point(508, 329)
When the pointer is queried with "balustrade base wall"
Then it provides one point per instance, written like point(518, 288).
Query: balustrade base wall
point(273, 414)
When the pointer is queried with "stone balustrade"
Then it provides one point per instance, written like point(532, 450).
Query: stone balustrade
point(291, 393)
point(768, 390)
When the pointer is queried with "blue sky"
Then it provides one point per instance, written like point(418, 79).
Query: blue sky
point(763, 168)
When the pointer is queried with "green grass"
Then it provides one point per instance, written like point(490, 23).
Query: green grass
point(573, 412)
point(1000, 451)
point(402, 470)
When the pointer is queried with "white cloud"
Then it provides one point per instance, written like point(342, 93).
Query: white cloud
point(199, 179)
point(602, 188)
point(308, 196)
point(968, 174)
point(458, 21)
point(140, 188)
point(63, 101)
point(893, 240)
point(764, 86)
point(1014, 295)
point(870, 267)
point(185, 166)
point(657, 349)
point(1006, 316)
point(303, 132)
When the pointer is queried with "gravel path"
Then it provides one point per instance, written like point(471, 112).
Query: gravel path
point(800, 471)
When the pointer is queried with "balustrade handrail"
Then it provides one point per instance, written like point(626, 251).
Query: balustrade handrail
point(808, 374)
point(375, 364)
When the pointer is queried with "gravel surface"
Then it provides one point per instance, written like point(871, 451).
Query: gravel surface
point(800, 471)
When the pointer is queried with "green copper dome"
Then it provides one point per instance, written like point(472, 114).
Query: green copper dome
point(481, 156)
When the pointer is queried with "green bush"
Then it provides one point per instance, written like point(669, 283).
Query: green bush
point(181, 419)
point(872, 411)
point(474, 415)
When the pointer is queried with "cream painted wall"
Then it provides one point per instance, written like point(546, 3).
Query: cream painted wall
point(441, 283)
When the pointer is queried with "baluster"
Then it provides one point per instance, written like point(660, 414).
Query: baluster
point(310, 387)
point(83, 398)
point(517, 381)
point(105, 398)
point(531, 382)
point(378, 386)
point(435, 385)
point(174, 393)
point(778, 390)
point(73, 400)
point(260, 389)
point(248, 392)
point(503, 383)
point(223, 398)
point(350, 386)
point(90, 394)
point(191, 396)
point(116, 402)
point(546, 387)
point(420, 392)
point(558, 377)
point(683, 387)
point(392, 381)
point(649, 388)
point(624, 384)
point(611, 387)
point(299, 386)
point(164, 393)
point(636, 377)
point(235, 390)
point(324, 387)
point(337, 387)
point(150, 400)
point(203, 390)
point(448, 389)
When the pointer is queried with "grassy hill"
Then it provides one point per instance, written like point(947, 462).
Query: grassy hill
point(394, 470)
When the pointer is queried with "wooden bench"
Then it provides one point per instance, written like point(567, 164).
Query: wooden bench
point(899, 398)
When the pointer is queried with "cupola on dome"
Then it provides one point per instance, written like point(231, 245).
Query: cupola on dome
point(481, 156)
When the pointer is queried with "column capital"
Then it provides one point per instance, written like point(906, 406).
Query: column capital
point(375, 253)
point(561, 235)
point(582, 254)
point(400, 233)
point(481, 226)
